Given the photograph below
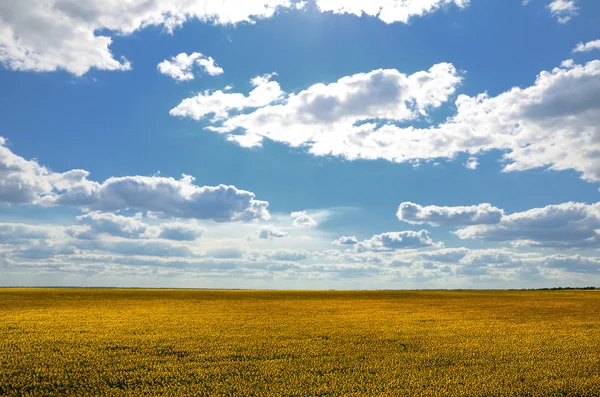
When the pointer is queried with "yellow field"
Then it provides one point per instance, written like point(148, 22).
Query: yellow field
point(258, 343)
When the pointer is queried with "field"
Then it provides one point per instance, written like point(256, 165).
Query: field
point(261, 343)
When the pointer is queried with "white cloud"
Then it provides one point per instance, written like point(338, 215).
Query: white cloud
point(181, 67)
point(437, 216)
point(389, 11)
point(589, 46)
point(165, 197)
point(111, 224)
point(563, 10)
point(397, 240)
point(303, 220)
point(268, 233)
point(329, 118)
point(19, 233)
point(346, 240)
point(180, 231)
point(554, 123)
point(446, 255)
point(472, 163)
point(568, 225)
point(220, 103)
point(26, 182)
point(572, 263)
point(46, 35)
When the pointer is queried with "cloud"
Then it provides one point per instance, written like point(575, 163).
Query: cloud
point(179, 231)
point(327, 117)
point(346, 240)
point(165, 197)
point(268, 233)
point(180, 66)
point(26, 182)
point(111, 224)
point(443, 216)
point(136, 247)
point(567, 225)
point(220, 103)
point(552, 124)
point(589, 46)
point(572, 263)
point(74, 35)
point(446, 255)
point(303, 220)
point(472, 163)
point(19, 233)
point(563, 10)
point(285, 255)
point(397, 240)
point(386, 10)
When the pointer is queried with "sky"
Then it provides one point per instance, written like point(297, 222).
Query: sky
point(285, 144)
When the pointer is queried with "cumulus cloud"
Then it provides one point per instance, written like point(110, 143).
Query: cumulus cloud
point(472, 163)
point(572, 263)
point(19, 233)
point(26, 182)
point(563, 10)
point(220, 103)
point(589, 46)
point(111, 224)
point(74, 35)
point(437, 216)
point(181, 67)
point(397, 240)
point(303, 220)
point(165, 197)
point(268, 233)
point(552, 124)
point(386, 10)
point(346, 240)
point(180, 231)
point(567, 225)
point(446, 255)
point(328, 117)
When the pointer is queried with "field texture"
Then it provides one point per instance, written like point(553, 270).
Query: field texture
point(256, 343)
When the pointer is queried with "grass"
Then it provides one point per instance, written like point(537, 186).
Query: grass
point(327, 343)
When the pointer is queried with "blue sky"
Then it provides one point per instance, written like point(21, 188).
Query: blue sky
point(323, 144)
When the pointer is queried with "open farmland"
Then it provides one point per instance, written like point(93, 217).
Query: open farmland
point(266, 343)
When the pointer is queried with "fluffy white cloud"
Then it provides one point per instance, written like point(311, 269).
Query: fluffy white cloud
point(302, 219)
point(111, 224)
point(397, 240)
point(589, 46)
point(446, 255)
point(45, 35)
point(19, 233)
point(165, 197)
point(437, 216)
point(220, 103)
point(563, 10)
point(268, 233)
point(554, 123)
point(329, 118)
point(181, 67)
point(346, 240)
point(26, 182)
point(568, 225)
point(472, 163)
point(389, 11)
point(180, 231)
